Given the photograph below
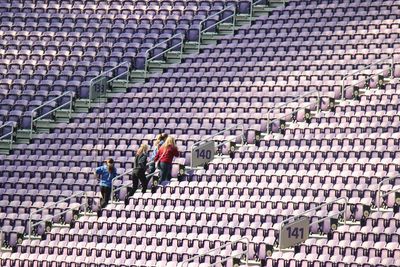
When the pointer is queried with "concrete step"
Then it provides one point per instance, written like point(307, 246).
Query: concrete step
point(90, 214)
point(4, 249)
point(221, 156)
point(384, 210)
point(33, 237)
point(60, 225)
point(317, 236)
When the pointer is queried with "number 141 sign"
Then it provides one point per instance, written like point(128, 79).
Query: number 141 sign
point(294, 232)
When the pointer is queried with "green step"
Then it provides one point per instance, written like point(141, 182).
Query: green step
point(226, 28)
point(102, 99)
point(23, 136)
point(174, 57)
point(44, 125)
point(209, 38)
point(191, 47)
point(242, 19)
point(116, 94)
point(82, 105)
point(119, 90)
point(260, 11)
point(157, 66)
point(62, 115)
point(138, 76)
point(5, 151)
point(276, 3)
point(5, 147)
point(119, 86)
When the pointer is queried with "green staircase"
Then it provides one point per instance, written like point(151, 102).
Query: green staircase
point(207, 38)
point(5, 146)
point(23, 136)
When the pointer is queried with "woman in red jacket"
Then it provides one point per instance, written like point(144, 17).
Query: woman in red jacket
point(164, 157)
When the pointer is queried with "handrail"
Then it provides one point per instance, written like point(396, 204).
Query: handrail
point(292, 101)
point(147, 53)
point(217, 23)
point(8, 134)
point(126, 185)
point(314, 209)
point(57, 214)
point(70, 93)
point(387, 193)
point(219, 248)
point(163, 42)
point(114, 179)
point(216, 134)
point(365, 68)
point(1, 238)
point(103, 74)
point(366, 79)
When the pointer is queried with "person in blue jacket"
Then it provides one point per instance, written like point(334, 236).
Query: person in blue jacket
point(105, 174)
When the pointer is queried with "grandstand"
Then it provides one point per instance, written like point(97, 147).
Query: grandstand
point(297, 103)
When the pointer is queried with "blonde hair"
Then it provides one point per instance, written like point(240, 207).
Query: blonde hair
point(170, 141)
point(159, 138)
point(142, 149)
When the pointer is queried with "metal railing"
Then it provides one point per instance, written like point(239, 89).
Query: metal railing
point(114, 190)
point(11, 133)
point(85, 205)
point(148, 60)
point(70, 102)
point(233, 16)
point(246, 252)
point(269, 122)
point(380, 195)
point(92, 82)
point(391, 68)
point(238, 126)
point(1, 239)
point(314, 209)
point(129, 172)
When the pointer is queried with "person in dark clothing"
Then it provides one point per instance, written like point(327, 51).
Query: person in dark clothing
point(165, 156)
point(139, 171)
point(106, 174)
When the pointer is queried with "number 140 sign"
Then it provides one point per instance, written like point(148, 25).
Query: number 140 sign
point(202, 154)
